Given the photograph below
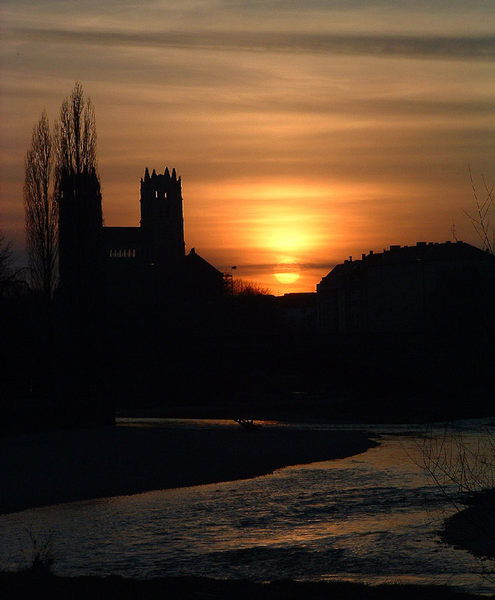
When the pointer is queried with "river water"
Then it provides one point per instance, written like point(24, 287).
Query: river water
point(373, 517)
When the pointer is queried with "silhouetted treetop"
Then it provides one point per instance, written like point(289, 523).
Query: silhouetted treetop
point(5, 258)
point(242, 287)
point(75, 135)
point(41, 209)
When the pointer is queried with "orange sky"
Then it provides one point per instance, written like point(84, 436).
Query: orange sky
point(304, 132)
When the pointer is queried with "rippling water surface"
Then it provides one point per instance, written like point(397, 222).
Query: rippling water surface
point(373, 517)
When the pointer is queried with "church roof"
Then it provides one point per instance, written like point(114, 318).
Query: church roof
point(121, 235)
point(197, 262)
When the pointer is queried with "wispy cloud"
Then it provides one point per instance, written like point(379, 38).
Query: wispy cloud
point(423, 47)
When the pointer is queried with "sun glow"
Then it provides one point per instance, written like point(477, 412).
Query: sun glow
point(287, 271)
point(286, 277)
point(288, 239)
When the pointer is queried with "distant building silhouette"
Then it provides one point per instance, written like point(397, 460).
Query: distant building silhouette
point(434, 286)
point(298, 310)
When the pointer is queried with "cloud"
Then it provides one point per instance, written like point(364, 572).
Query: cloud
point(346, 5)
point(390, 107)
point(386, 46)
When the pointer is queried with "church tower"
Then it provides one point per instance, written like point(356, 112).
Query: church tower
point(162, 222)
point(80, 239)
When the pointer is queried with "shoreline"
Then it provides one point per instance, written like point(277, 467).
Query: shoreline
point(61, 466)
point(25, 584)
point(472, 528)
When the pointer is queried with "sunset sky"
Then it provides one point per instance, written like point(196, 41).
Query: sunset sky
point(304, 131)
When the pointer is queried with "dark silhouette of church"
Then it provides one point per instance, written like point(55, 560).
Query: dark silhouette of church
point(159, 242)
point(132, 265)
point(150, 260)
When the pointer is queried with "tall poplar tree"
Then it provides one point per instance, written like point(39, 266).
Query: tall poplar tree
point(75, 135)
point(40, 204)
point(79, 199)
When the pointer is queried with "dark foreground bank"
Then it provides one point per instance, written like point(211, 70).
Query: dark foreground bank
point(473, 528)
point(22, 585)
point(67, 465)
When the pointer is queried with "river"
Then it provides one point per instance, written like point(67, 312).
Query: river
point(370, 518)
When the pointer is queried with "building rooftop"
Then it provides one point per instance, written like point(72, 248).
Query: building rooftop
point(396, 254)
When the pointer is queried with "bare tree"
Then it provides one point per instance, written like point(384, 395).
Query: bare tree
point(482, 216)
point(8, 276)
point(63, 166)
point(75, 135)
point(41, 209)
point(5, 258)
point(462, 465)
point(79, 197)
point(242, 287)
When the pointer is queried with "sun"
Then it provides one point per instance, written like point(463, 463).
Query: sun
point(286, 272)
point(286, 277)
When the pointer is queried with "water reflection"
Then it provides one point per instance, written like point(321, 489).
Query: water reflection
point(371, 518)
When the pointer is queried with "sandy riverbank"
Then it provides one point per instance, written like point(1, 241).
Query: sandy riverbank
point(63, 466)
